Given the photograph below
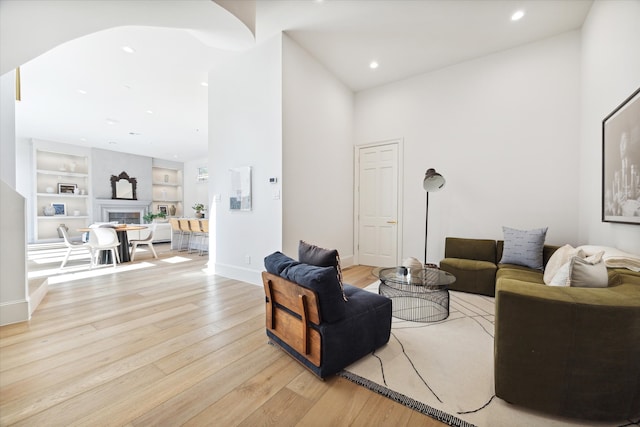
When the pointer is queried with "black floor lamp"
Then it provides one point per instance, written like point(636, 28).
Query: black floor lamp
point(433, 181)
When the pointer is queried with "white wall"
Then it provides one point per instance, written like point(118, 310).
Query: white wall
point(105, 163)
point(317, 177)
point(195, 191)
point(14, 300)
point(610, 73)
point(8, 128)
point(502, 129)
point(245, 129)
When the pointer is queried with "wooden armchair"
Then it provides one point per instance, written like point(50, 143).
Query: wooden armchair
point(291, 312)
point(307, 316)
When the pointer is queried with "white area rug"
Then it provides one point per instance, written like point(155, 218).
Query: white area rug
point(445, 369)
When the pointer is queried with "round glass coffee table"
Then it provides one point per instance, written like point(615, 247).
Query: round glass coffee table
point(418, 295)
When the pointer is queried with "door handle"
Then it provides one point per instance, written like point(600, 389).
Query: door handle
point(392, 222)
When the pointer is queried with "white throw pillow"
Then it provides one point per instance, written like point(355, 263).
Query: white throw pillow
point(561, 278)
point(559, 258)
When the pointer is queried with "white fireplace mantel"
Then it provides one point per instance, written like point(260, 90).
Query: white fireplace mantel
point(106, 206)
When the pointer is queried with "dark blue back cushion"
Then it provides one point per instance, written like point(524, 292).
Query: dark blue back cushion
point(277, 262)
point(322, 280)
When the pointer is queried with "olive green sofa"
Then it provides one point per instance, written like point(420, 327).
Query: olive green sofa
point(566, 351)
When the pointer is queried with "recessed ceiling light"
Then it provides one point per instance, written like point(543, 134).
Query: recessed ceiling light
point(111, 121)
point(82, 91)
point(128, 49)
point(517, 15)
point(205, 84)
point(149, 112)
point(373, 65)
point(83, 139)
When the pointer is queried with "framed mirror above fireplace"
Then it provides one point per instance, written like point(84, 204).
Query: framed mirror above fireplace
point(123, 187)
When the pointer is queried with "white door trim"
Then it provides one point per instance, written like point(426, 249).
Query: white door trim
point(356, 196)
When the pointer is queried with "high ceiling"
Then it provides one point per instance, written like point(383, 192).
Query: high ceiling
point(151, 102)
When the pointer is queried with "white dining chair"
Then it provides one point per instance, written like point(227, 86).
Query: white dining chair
point(71, 245)
point(146, 241)
point(104, 239)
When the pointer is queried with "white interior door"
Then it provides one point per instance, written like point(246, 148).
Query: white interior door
point(378, 205)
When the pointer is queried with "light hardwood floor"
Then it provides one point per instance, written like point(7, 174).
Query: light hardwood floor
point(164, 342)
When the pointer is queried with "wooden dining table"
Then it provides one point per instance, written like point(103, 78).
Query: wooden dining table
point(123, 249)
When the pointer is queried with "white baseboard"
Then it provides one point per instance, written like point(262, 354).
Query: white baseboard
point(14, 312)
point(239, 273)
point(37, 295)
point(346, 261)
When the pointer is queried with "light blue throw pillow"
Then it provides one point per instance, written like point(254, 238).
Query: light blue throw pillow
point(524, 247)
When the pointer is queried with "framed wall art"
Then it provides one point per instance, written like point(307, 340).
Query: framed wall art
point(240, 192)
point(60, 208)
point(621, 163)
point(67, 188)
point(202, 174)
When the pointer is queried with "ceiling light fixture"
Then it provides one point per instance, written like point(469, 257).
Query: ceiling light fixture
point(517, 15)
point(205, 84)
point(128, 49)
point(373, 65)
point(82, 91)
point(149, 112)
point(111, 121)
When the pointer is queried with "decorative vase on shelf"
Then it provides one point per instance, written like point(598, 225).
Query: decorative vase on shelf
point(166, 178)
point(200, 215)
point(49, 211)
point(72, 166)
point(172, 210)
point(49, 190)
point(60, 232)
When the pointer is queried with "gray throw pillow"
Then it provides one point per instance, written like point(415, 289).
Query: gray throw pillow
point(524, 247)
point(579, 272)
point(321, 257)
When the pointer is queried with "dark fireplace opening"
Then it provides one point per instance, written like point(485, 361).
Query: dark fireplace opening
point(125, 217)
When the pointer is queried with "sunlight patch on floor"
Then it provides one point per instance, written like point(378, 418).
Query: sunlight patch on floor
point(175, 260)
point(99, 271)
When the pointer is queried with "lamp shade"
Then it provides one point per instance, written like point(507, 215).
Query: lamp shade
point(433, 181)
